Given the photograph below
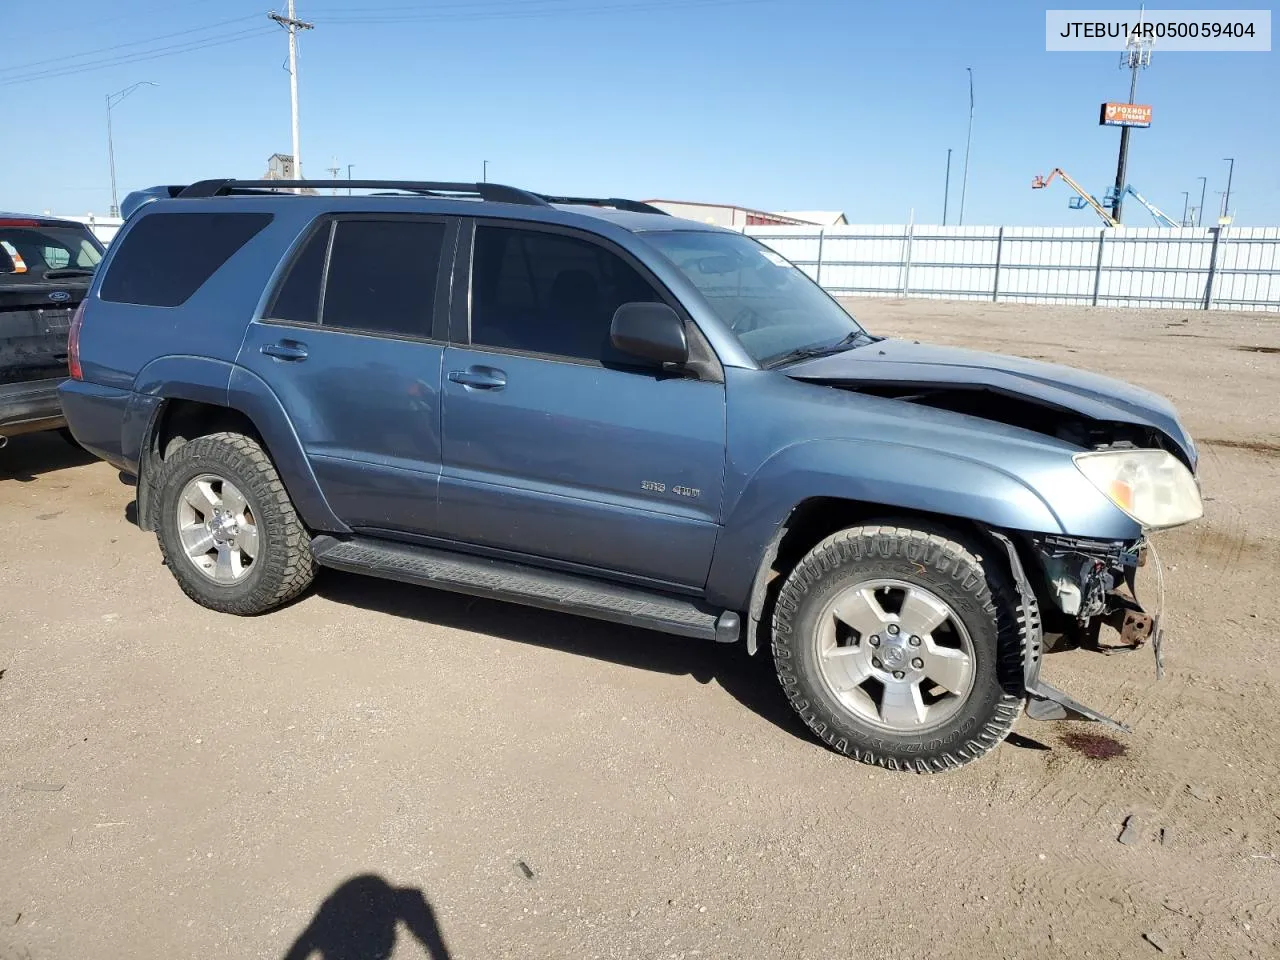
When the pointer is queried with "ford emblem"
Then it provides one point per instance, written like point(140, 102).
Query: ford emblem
point(59, 296)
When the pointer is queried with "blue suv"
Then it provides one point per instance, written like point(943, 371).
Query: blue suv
point(590, 406)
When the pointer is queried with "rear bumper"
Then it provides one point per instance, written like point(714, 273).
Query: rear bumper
point(28, 406)
point(95, 415)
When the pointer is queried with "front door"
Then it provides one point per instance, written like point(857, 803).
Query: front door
point(556, 447)
point(347, 345)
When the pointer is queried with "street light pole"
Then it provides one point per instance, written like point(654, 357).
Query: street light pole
point(349, 166)
point(112, 100)
point(1200, 215)
point(964, 186)
point(946, 190)
point(1226, 204)
point(485, 174)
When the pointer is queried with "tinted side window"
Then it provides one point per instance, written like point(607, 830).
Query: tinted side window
point(382, 276)
point(167, 257)
point(298, 298)
point(547, 293)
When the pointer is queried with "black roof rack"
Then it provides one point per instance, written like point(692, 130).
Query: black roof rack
point(495, 192)
point(631, 206)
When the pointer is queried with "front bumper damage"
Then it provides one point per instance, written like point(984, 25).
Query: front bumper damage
point(1093, 583)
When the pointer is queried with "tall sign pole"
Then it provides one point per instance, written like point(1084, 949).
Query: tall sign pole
point(964, 184)
point(1136, 56)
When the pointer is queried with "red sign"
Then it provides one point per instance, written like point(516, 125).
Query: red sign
point(1125, 115)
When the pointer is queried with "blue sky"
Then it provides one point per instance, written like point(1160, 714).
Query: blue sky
point(776, 104)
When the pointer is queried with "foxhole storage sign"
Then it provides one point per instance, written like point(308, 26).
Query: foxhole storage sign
point(1125, 115)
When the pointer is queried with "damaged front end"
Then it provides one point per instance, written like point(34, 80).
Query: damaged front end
point(1087, 584)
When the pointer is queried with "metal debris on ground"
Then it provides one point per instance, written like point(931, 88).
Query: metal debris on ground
point(43, 787)
point(1129, 834)
point(1151, 939)
point(524, 869)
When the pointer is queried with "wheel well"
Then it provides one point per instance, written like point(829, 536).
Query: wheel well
point(177, 422)
point(812, 520)
point(809, 522)
point(181, 420)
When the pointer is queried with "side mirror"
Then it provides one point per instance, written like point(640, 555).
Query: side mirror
point(650, 331)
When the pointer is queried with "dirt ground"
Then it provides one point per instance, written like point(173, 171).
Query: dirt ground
point(496, 782)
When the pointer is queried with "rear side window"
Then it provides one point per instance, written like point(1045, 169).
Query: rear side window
point(167, 257)
point(377, 276)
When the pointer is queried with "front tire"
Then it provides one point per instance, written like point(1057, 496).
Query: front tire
point(899, 648)
point(227, 529)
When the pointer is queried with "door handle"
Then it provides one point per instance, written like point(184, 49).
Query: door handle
point(286, 350)
point(480, 378)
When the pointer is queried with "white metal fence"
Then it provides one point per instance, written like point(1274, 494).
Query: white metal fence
point(1220, 268)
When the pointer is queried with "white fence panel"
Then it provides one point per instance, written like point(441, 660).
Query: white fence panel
point(1229, 268)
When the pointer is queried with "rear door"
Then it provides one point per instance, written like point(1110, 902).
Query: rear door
point(349, 344)
point(45, 271)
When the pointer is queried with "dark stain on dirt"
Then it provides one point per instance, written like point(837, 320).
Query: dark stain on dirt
point(1246, 349)
point(1095, 746)
point(1268, 448)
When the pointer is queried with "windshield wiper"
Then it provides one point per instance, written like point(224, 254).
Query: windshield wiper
point(68, 272)
point(847, 342)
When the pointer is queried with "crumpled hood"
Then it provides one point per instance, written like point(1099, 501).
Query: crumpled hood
point(1091, 395)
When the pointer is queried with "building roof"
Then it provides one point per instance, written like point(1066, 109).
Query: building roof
point(779, 218)
point(825, 218)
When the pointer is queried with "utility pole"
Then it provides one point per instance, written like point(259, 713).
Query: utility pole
point(293, 25)
point(1136, 56)
point(946, 190)
point(333, 175)
point(1200, 214)
point(1226, 204)
point(1186, 198)
point(112, 100)
point(485, 174)
point(964, 186)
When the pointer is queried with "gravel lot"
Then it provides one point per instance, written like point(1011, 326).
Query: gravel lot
point(513, 783)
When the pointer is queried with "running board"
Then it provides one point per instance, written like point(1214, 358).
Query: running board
point(534, 587)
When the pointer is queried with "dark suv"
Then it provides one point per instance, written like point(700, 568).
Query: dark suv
point(45, 269)
point(590, 406)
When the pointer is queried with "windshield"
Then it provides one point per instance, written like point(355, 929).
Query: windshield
point(772, 306)
point(29, 250)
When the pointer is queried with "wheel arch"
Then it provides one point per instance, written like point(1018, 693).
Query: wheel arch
point(246, 405)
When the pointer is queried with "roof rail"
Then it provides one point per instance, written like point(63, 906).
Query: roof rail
point(495, 192)
point(631, 206)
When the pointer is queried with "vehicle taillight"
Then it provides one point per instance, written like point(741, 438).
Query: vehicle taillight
point(73, 343)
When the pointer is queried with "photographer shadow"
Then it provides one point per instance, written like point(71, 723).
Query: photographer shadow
point(360, 920)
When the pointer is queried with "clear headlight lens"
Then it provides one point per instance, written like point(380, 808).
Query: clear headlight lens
point(1152, 486)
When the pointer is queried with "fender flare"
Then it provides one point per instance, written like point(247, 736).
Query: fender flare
point(221, 384)
point(887, 476)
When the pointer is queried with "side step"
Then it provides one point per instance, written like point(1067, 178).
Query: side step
point(534, 587)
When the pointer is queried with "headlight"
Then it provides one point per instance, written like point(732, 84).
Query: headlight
point(1152, 486)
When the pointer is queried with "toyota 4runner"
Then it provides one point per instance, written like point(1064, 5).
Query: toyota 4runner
point(590, 406)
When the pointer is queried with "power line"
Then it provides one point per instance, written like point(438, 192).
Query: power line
point(140, 57)
point(120, 46)
point(521, 12)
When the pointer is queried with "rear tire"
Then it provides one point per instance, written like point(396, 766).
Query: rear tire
point(226, 527)
point(898, 647)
